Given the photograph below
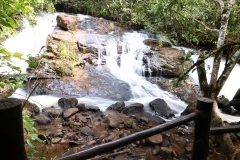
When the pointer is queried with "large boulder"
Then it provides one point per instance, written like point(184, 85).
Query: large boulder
point(161, 108)
point(156, 44)
point(118, 106)
point(235, 102)
point(67, 22)
point(66, 103)
point(54, 39)
point(165, 62)
point(223, 102)
point(133, 109)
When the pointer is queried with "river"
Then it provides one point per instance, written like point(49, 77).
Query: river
point(31, 39)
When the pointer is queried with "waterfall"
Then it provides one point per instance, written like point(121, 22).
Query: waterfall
point(127, 66)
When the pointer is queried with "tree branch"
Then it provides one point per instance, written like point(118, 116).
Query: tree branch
point(227, 70)
point(221, 3)
point(200, 61)
point(205, 26)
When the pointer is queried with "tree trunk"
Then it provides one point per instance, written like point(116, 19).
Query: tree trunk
point(225, 141)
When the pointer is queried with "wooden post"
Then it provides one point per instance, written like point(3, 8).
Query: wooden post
point(202, 129)
point(11, 130)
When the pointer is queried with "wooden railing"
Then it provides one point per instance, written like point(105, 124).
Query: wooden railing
point(11, 112)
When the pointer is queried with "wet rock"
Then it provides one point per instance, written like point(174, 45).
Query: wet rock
point(32, 108)
point(54, 39)
point(166, 152)
point(152, 118)
point(88, 23)
point(91, 142)
point(56, 140)
point(112, 122)
point(156, 44)
point(78, 124)
point(81, 107)
point(118, 106)
point(166, 62)
point(87, 131)
point(81, 118)
point(144, 119)
point(133, 109)
point(114, 118)
point(229, 110)
point(161, 108)
point(189, 109)
point(91, 51)
point(102, 136)
point(110, 137)
point(42, 119)
point(53, 112)
point(67, 102)
point(68, 22)
point(156, 150)
point(94, 84)
point(156, 139)
point(92, 108)
point(222, 102)
point(235, 102)
point(69, 112)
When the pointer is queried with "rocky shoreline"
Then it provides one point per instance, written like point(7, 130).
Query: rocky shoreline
point(74, 126)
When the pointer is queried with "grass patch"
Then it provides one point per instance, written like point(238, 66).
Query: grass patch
point(67, 58)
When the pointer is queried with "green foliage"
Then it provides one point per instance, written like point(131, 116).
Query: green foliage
point(31, 136)
point(68, 58)
point(187, 22)
point(6, 61)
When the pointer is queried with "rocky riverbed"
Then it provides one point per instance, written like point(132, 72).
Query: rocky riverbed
point(73, 126)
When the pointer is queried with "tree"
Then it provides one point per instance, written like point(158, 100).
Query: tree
point(212, 89)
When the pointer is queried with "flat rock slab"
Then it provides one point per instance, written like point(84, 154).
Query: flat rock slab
point(69, 112)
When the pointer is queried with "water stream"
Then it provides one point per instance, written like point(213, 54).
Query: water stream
point(129, 69)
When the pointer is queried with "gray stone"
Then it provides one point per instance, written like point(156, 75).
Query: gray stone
point(166, 152)
point(91, 142)
point(54, 112)
point(156, 139)
point(92, 108)
point(68, 22)
point(161, 108)
point(81, 107)
point(69, 112)
point(79, 117)
point(56, 140)
point(118, 106)
point(67, 102)
point(87, 131)
point(42, 119)
point(133, 109)
point(112, 122)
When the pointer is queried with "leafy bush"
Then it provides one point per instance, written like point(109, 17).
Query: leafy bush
point(30, 136)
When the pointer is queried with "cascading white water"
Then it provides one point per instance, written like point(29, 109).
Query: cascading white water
point(30, 40)
point(131, 69)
